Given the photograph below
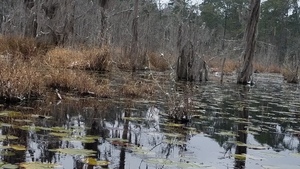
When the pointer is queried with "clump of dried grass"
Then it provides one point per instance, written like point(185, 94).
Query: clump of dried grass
point(20, 80)
point(79, 81)
point(92, 58)
point(157, 61)
point(137, 89)
point(21, 47)
point(230, 66)
point(291, 76)
point(25, 71)
point(274, 68)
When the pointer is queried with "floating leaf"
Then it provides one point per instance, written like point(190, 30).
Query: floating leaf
point(134, 118)
point(226, 133)
point(9, 137)
point(7, 153)
point(18, 147)
point(9, 166)
point(85, 139)
point(60, 129)
point(95, 162)
point(44, 128)
point(241, 157)
point(29, 128)
point(83, 152)
point(23, 120)
point(29, 165)
point(172, 124)
point(10, 114)
point(58, 134)
point(40, 116)
point(6, 125)
point(4, 147)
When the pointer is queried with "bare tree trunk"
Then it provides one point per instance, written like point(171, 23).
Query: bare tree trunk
point(68, 32)
point(103, 33)
point(134, 43)
point(191, 67)
point(246, 72)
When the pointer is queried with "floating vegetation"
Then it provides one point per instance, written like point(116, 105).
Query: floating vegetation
point(226, 133)
point(251, 146)
point(241, 157)
point(142, 151)
point(95, 162)
point(39, 165)
point(40, 116)
point(170, 163)
point(18, 147)
point(11, 114)
point(84, 139)
point(8, 137)
point(76, 152)
point(28, 128)
point(172, 124)
point(8, 166)
point(7, 153)
point(59, 134)
point(175, 135)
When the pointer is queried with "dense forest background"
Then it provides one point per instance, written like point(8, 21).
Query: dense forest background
point(215, 27)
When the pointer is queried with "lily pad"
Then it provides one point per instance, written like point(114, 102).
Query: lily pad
point(18, 147)
point(226, 133)
point(80, 152)
point(9, 137)
point(59, 134)
point(29, 165)
point(9, 166)
point(11, 114)
point(241, 157)
point(95, 162)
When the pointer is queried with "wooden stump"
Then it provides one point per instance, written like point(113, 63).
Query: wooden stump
point(191, 67)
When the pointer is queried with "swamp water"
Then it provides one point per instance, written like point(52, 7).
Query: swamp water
point(230, 126)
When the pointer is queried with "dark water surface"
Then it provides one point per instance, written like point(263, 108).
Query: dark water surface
point(231, 126)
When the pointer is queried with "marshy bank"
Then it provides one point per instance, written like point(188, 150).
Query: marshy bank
point(30, 69)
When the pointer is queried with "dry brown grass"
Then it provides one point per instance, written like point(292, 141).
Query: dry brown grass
point(158, 62)
point(20, 80)
point(79, 81)
point(88, 58)
point(21, 47)
point(230, 66)
point(274, 69)
point(137, 88)
point(27, 70)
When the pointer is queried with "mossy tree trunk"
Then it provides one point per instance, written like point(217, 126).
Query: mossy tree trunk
point(244, 76)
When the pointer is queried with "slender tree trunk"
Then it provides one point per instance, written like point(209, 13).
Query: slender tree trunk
point(246, 72)
point(103, 33)
point(134, 43)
